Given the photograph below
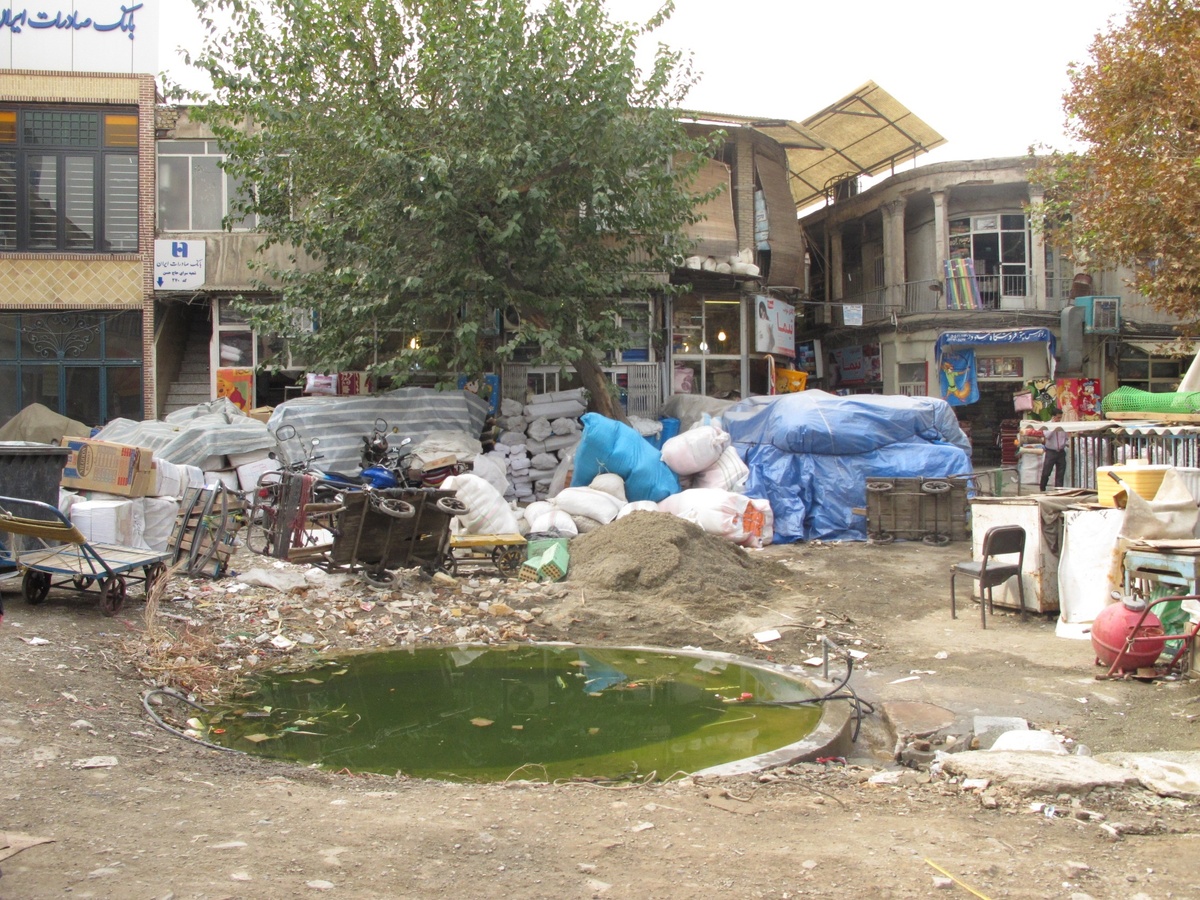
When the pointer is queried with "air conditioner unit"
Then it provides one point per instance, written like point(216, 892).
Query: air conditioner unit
point(1101, 315)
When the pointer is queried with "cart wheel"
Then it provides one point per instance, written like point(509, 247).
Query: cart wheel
point(35, 586)
point(112, 595)
point(394, 507)
point(935, 487)
point(881, 537)
point(380, 578)
point(452, 506)
point(82, 582)
point(879, 487)
point(936, 540)
point(508, 560)
point(153, 573)
point(450, 564)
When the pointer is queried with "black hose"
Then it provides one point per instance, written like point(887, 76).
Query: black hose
point(175, 695)
point(841, 691)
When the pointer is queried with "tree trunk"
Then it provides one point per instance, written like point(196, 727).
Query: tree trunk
point(599, 388)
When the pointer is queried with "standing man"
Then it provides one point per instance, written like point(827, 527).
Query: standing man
point(1055, 457)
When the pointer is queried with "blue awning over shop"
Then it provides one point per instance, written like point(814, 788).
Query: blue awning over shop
point(1008, 336)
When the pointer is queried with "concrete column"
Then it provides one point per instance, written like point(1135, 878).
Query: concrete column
point(941, 235)
point(1035, 298)
point(893, 253)
point(836, 289)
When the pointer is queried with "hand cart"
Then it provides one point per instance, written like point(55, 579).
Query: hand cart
point(504, 551)
point(396, 528)
point(63, 552)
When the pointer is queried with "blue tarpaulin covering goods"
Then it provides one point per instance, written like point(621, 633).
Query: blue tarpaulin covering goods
point(810, 454)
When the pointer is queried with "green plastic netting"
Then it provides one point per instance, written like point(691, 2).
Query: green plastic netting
point(1127, 399)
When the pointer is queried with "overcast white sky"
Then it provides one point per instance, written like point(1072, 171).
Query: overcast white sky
point(988, 76)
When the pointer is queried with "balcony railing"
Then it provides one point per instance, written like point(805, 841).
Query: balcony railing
point(995, 292)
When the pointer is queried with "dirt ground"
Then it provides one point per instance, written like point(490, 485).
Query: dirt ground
point(175, 819)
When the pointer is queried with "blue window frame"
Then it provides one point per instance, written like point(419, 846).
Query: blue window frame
point(84, 365)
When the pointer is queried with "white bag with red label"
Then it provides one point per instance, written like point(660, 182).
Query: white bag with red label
point(741, 519)
point(694, 450)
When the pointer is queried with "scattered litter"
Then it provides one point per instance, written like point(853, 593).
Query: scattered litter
point(921, 672)
point(34, 641)
point(941, 654)
point(765, 637)
point(857, 654)
point(642, 826)
point(814, 661)
point(95, 762)
point(909, 678)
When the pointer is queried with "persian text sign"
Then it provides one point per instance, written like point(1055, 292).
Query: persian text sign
point(178, 265)
point(80, 35)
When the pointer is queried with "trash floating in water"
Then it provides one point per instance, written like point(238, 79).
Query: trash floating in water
point(521, 711)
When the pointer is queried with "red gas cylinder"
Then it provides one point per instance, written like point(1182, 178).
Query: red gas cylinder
point(1114, 626)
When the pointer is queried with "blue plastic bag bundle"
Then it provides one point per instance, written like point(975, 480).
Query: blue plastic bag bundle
point(810, 454)
point(611, 446)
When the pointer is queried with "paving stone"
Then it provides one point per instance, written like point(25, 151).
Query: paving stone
point(918, 719)
point(1038, 773)
point(1168, 773)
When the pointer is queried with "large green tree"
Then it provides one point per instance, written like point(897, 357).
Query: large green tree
point(1131, 195)
point(443, 162)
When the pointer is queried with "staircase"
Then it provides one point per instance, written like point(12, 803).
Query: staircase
point(194, 384)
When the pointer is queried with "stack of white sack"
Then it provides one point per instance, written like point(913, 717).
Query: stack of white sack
point(741, 519)
point(536, 441)
point(703, 457)
point(487, 512)
point(145, 523)
point(578, 510)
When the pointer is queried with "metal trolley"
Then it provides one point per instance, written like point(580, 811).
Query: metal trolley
point(61, 557)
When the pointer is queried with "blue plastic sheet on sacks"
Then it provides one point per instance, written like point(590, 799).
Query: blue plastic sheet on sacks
point(810, 454)
point(611, 446)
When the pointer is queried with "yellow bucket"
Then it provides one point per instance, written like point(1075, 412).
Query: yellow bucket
point(1140, 478)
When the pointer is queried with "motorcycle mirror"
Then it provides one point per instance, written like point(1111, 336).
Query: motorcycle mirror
point(381, 425)
point(285, 432)
point(315, 441)
point(405, 442)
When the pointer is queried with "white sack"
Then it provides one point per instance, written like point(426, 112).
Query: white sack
point(533, 447)
point(160, 515)
point(510, 407)
point(586, 501)
point(637, 506)
point(248, 474)
point(612, 484)
point(487, 513)
point(169, 479)
point(544, 461)
point(562, 442)
point(694, 450)
point(579, 395)
point(105, 521)
point(539, 429)
point(543, 518)
point(572, 408)
point(738, 518)
point(492, 470)
point(728, 473)
point(563, 425)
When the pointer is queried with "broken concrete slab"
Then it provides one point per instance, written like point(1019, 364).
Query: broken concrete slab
point(1038, 773)
point(1167, 773)
point(1026, 740)
point(914, 719)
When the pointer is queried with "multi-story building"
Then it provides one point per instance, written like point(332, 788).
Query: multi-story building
point(77, 100)
point(884, 313)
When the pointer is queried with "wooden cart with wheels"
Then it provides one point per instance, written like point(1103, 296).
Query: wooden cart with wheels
point(53, 553)
point(504, 551)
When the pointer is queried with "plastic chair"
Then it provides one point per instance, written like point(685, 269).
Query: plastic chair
point(999, 541)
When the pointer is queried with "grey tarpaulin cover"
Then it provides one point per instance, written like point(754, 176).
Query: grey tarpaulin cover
point(341, 422)
point(187, 437)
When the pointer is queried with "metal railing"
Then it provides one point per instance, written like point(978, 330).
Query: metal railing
point(1087, 451)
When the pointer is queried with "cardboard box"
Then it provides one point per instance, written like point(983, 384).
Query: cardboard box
point(261, 413)
point(112, 468)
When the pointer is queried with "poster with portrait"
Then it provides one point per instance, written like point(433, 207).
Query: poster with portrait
point(957, 377)
point(774, 327)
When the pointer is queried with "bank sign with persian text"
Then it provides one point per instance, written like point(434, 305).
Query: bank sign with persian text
point(80, 35)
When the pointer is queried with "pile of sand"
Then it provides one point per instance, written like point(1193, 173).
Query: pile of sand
point(652, 552)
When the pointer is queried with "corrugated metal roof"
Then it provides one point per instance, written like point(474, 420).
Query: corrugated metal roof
point(866, 132)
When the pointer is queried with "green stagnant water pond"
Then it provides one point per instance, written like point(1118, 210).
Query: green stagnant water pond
point(539, 712)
